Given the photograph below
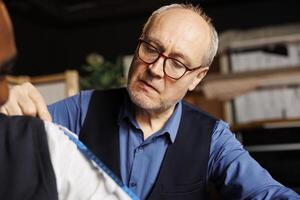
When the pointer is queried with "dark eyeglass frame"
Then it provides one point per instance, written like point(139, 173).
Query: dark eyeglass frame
point(165, 58)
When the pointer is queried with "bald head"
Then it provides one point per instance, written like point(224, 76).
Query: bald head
point(189, 11)
point(7, 42)
point(7, 50)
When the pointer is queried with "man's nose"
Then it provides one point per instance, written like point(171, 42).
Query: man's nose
point(157, 68)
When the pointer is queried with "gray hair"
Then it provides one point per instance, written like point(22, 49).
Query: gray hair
point(212, 50)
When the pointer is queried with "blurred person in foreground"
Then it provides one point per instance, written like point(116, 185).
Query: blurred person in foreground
point(39, 160)
point(160, 146)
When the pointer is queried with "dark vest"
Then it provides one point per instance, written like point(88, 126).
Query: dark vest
point(25, 167)
point(183, 172)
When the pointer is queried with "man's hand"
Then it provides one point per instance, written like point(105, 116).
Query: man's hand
point(25, 99)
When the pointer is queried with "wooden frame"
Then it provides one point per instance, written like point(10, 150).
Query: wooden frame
point(69, 80)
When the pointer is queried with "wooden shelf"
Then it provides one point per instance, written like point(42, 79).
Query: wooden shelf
point(251, 74)
point(268, 124)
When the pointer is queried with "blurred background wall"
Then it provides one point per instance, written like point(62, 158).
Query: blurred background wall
point(55, 35)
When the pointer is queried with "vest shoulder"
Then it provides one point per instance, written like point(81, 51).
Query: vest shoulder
point(108, 98)
point(20, 122)
point(114, 91)
point(187, 107)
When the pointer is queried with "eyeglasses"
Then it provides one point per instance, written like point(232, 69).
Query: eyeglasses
point(172, 67)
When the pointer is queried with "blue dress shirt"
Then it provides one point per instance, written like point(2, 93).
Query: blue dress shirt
point(234, 172)
point(141, 159)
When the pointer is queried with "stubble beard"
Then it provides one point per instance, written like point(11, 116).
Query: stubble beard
point(144, 102)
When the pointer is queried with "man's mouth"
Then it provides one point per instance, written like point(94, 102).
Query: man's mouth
point(149, 85)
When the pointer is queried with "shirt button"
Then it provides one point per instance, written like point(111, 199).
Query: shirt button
point(140, 149)
point(132, 184)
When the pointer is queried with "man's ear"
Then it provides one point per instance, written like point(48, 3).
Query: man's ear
point(201, 74)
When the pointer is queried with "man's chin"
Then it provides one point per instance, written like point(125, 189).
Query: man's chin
point(143, 101)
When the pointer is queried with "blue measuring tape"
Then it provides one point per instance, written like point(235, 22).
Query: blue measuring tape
point(91, 156)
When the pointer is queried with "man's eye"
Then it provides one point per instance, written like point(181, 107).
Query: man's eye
point(150, 49)
point(177, 65)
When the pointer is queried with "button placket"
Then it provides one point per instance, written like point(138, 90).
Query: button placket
point(140, 149)
point(132, 184)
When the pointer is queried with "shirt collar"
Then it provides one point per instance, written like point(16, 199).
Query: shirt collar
point(170, 128)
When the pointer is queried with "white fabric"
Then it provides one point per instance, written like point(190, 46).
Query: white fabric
point(76, 177)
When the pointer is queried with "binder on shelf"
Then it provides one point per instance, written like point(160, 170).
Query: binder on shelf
point(252, 55)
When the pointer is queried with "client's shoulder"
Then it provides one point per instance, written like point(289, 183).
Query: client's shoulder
point(20, 122)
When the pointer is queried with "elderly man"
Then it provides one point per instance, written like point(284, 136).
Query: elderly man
point(160, 146)
point(40, 160)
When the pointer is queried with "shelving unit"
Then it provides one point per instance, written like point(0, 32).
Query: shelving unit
point(261, 69)
point(253, 65)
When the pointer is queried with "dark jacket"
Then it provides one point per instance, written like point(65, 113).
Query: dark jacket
point(26, 171)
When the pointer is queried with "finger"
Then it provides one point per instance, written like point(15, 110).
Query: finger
point(39, 102)
point(3, 110)
point(13, 108)
point(27, 106)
